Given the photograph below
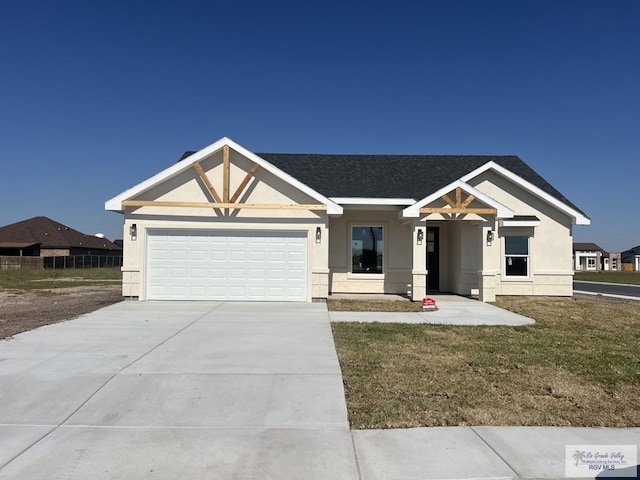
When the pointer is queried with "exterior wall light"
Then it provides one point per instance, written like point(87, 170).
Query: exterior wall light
point(318, 235)
point(133, 231)
point(489, 237)
point(420, 236)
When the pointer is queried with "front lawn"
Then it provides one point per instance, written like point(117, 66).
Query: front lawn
point(579, 365)
point(631, 278)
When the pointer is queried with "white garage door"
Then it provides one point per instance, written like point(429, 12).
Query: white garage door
point(225, 265)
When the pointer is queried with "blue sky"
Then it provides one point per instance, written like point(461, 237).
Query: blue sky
point(97, 96)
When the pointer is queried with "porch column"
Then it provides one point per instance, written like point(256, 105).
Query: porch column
point(490, 262)
point(419, 269)
point(319, 246)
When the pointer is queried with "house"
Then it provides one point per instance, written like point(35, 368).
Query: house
point(592, 257)
point(632, 257)
point(225, 223)
point(587, 256)
point(43, 237)
point(612, 261)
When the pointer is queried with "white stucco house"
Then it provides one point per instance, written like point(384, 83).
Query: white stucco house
point(225, 223)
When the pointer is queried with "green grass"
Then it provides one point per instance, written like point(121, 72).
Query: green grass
point(578, 365)
point(33, 279)
point(632, 278)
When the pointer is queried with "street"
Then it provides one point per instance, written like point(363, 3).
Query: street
point(607, 288)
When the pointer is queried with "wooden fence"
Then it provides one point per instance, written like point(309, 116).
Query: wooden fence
point(71, 261)
point(15, 263)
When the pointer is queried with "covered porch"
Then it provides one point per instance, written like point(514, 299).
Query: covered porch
point(441, 244)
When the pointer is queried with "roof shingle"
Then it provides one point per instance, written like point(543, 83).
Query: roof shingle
point(52, 234)
point(395, 176)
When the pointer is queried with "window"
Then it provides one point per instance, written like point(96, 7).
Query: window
point(516, 249)
point(366, 249)
point(614, 264)
point(591, 263)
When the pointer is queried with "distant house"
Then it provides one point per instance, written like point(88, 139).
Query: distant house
point(43, 237)
point(592, 257)
point(587, 256)
point(632, 257)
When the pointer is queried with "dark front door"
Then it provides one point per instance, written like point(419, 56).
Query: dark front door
point(433, 258)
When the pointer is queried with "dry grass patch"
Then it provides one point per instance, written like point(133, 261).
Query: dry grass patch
point(349, 305)
point(37, 279)
point(578, 365)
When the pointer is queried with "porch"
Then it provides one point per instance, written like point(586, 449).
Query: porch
point(451, 310)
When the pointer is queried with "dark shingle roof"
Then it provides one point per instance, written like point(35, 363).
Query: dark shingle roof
point(52, 234)
point(628, 256)
point(587, 247)
point(395, 176)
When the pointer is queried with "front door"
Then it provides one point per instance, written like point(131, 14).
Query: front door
point(433, 258)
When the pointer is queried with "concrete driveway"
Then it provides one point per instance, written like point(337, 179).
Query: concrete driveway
point(176, 390)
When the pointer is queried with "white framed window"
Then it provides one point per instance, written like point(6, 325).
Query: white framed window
point(367, 249)
point(591, 263)
point(516, 252)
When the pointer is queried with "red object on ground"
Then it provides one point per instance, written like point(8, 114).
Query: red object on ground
point(428, 302)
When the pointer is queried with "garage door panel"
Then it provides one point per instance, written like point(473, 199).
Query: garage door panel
point(296, 274)
point(218, 255)
point(227, 265)
point(277, 257)
point(238, 256)
point(199, 255)
point(258, 256)
point(217, 273)
point(178, 254)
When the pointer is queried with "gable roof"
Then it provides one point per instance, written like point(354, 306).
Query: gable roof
point(396, 176)
point(412, 176)
point(189, 158)
point(375, 179)
point(414, 210)
point(51, 234)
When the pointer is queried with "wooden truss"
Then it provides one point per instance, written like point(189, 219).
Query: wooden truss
point(459, 206)
point(226, 201)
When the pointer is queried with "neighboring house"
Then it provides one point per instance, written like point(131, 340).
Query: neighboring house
point(225, 223)
point(43, 237)
point(632, 257)
point(587, 256)
point(612, 261)
point(592, 257)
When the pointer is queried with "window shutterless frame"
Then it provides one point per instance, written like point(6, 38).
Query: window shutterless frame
point(516, 256)
point(367, 249)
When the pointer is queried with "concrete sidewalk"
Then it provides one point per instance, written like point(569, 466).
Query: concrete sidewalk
point(479, 452)
point(452, 310)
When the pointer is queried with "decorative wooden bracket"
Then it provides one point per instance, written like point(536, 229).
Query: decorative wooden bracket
point(244, 183)
point(459, 206)
point(225, 181)
point(223, 202)
point(206, 182)
point(225, 174)
point(254, 206)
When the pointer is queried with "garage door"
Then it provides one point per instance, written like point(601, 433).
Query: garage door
point(205, 265)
